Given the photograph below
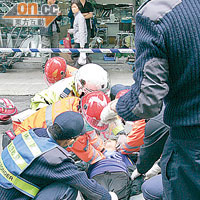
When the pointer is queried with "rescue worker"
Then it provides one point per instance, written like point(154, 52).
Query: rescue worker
point(88, 147)
point(90, 77)
point(128, 142)
point(146, 136)
point(36, 165)
point(56, 69)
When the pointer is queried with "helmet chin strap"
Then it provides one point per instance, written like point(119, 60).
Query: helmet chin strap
point(82, 94)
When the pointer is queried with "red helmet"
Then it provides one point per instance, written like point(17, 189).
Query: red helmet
point(92, 105)
point(7, 109)
point(55, 69)
point(121, 93)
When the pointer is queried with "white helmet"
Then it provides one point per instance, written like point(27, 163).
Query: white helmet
point(91, 77)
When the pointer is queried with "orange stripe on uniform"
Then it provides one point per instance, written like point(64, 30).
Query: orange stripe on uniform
point(135, 138)
point(95, 140)
point(85, 151)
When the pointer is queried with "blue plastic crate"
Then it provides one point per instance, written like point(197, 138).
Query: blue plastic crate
point(106, 58)
point(126, 21)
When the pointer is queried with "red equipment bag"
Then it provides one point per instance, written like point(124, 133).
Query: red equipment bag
point(7, 109)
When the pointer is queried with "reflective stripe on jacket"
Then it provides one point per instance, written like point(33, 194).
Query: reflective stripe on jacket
point(17, 156)
point(53, 93)
point(87, 147)
point(135, 138)
point(44, 117)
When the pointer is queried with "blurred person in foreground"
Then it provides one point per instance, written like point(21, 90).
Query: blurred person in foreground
point(167, 68)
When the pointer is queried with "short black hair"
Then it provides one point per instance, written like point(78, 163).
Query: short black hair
point(78, 3)
point(56, 132)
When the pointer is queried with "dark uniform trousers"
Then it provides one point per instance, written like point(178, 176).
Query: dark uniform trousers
point(180, 166)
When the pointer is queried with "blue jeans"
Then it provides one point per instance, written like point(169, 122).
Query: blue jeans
point(152, 189)
point(57, 191)
point(180, 166)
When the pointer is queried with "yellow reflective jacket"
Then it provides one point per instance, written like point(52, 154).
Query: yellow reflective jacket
point(45, 116)
point(53, 93)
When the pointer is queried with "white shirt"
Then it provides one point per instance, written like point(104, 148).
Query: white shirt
point(80, 29)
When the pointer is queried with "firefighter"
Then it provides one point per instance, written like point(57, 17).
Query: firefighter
point(90, 77)
point(36, 165)
point(56, 69)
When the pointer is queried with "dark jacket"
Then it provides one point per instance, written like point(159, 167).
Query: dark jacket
point(48, 31)
point(167, 64)
point(156, 134)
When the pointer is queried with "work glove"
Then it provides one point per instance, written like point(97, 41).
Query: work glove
point(108, 115)
point(113, 196)
point(71, 31)
point(155, 170)
point(117, 127)
point(135, 174)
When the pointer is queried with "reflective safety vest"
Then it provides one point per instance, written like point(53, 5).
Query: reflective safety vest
point(54, 93)
point(135, 138)
point(88, 147)
point(45, 117)
point(17, 156)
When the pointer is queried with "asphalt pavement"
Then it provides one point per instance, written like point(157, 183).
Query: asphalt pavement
point(26, 78)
